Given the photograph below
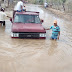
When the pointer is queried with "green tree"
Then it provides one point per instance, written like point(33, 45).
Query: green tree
point(41, 1)
point(63, 1)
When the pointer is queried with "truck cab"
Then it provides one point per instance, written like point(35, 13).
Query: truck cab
point(27, 25)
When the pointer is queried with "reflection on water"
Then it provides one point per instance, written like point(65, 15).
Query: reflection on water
point(52, 48)
point(35, 55)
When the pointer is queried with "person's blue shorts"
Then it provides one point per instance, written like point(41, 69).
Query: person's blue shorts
point(20, 10)
point(54, 37)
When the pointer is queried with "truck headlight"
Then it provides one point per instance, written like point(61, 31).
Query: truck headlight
point(14, 34)
point(42, 34)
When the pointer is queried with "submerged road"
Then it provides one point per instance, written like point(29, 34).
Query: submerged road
point(37, 55)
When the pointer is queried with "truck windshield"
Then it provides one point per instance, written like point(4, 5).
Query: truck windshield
point(20, 18)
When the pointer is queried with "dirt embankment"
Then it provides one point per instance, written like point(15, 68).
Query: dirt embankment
point(61, 14)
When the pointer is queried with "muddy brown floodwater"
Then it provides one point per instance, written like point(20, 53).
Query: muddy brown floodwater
point(37, 55)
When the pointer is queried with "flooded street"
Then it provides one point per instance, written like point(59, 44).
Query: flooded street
point(37, 55)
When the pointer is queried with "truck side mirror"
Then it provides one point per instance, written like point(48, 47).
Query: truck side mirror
point(41, 21)
point(11, 20)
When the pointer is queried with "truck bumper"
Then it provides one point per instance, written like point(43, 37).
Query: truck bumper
point(29, 35)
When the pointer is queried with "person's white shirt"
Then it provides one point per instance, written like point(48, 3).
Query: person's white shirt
point(2, 16)
point(45, 4)
point(18, 5)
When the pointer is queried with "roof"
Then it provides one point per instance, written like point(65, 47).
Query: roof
point(28, 12)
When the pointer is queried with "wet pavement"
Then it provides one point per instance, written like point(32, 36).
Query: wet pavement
point(37, 55)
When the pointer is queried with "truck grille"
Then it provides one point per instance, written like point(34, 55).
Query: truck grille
point(28, 35)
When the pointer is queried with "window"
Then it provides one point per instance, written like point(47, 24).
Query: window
point(20, 18)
